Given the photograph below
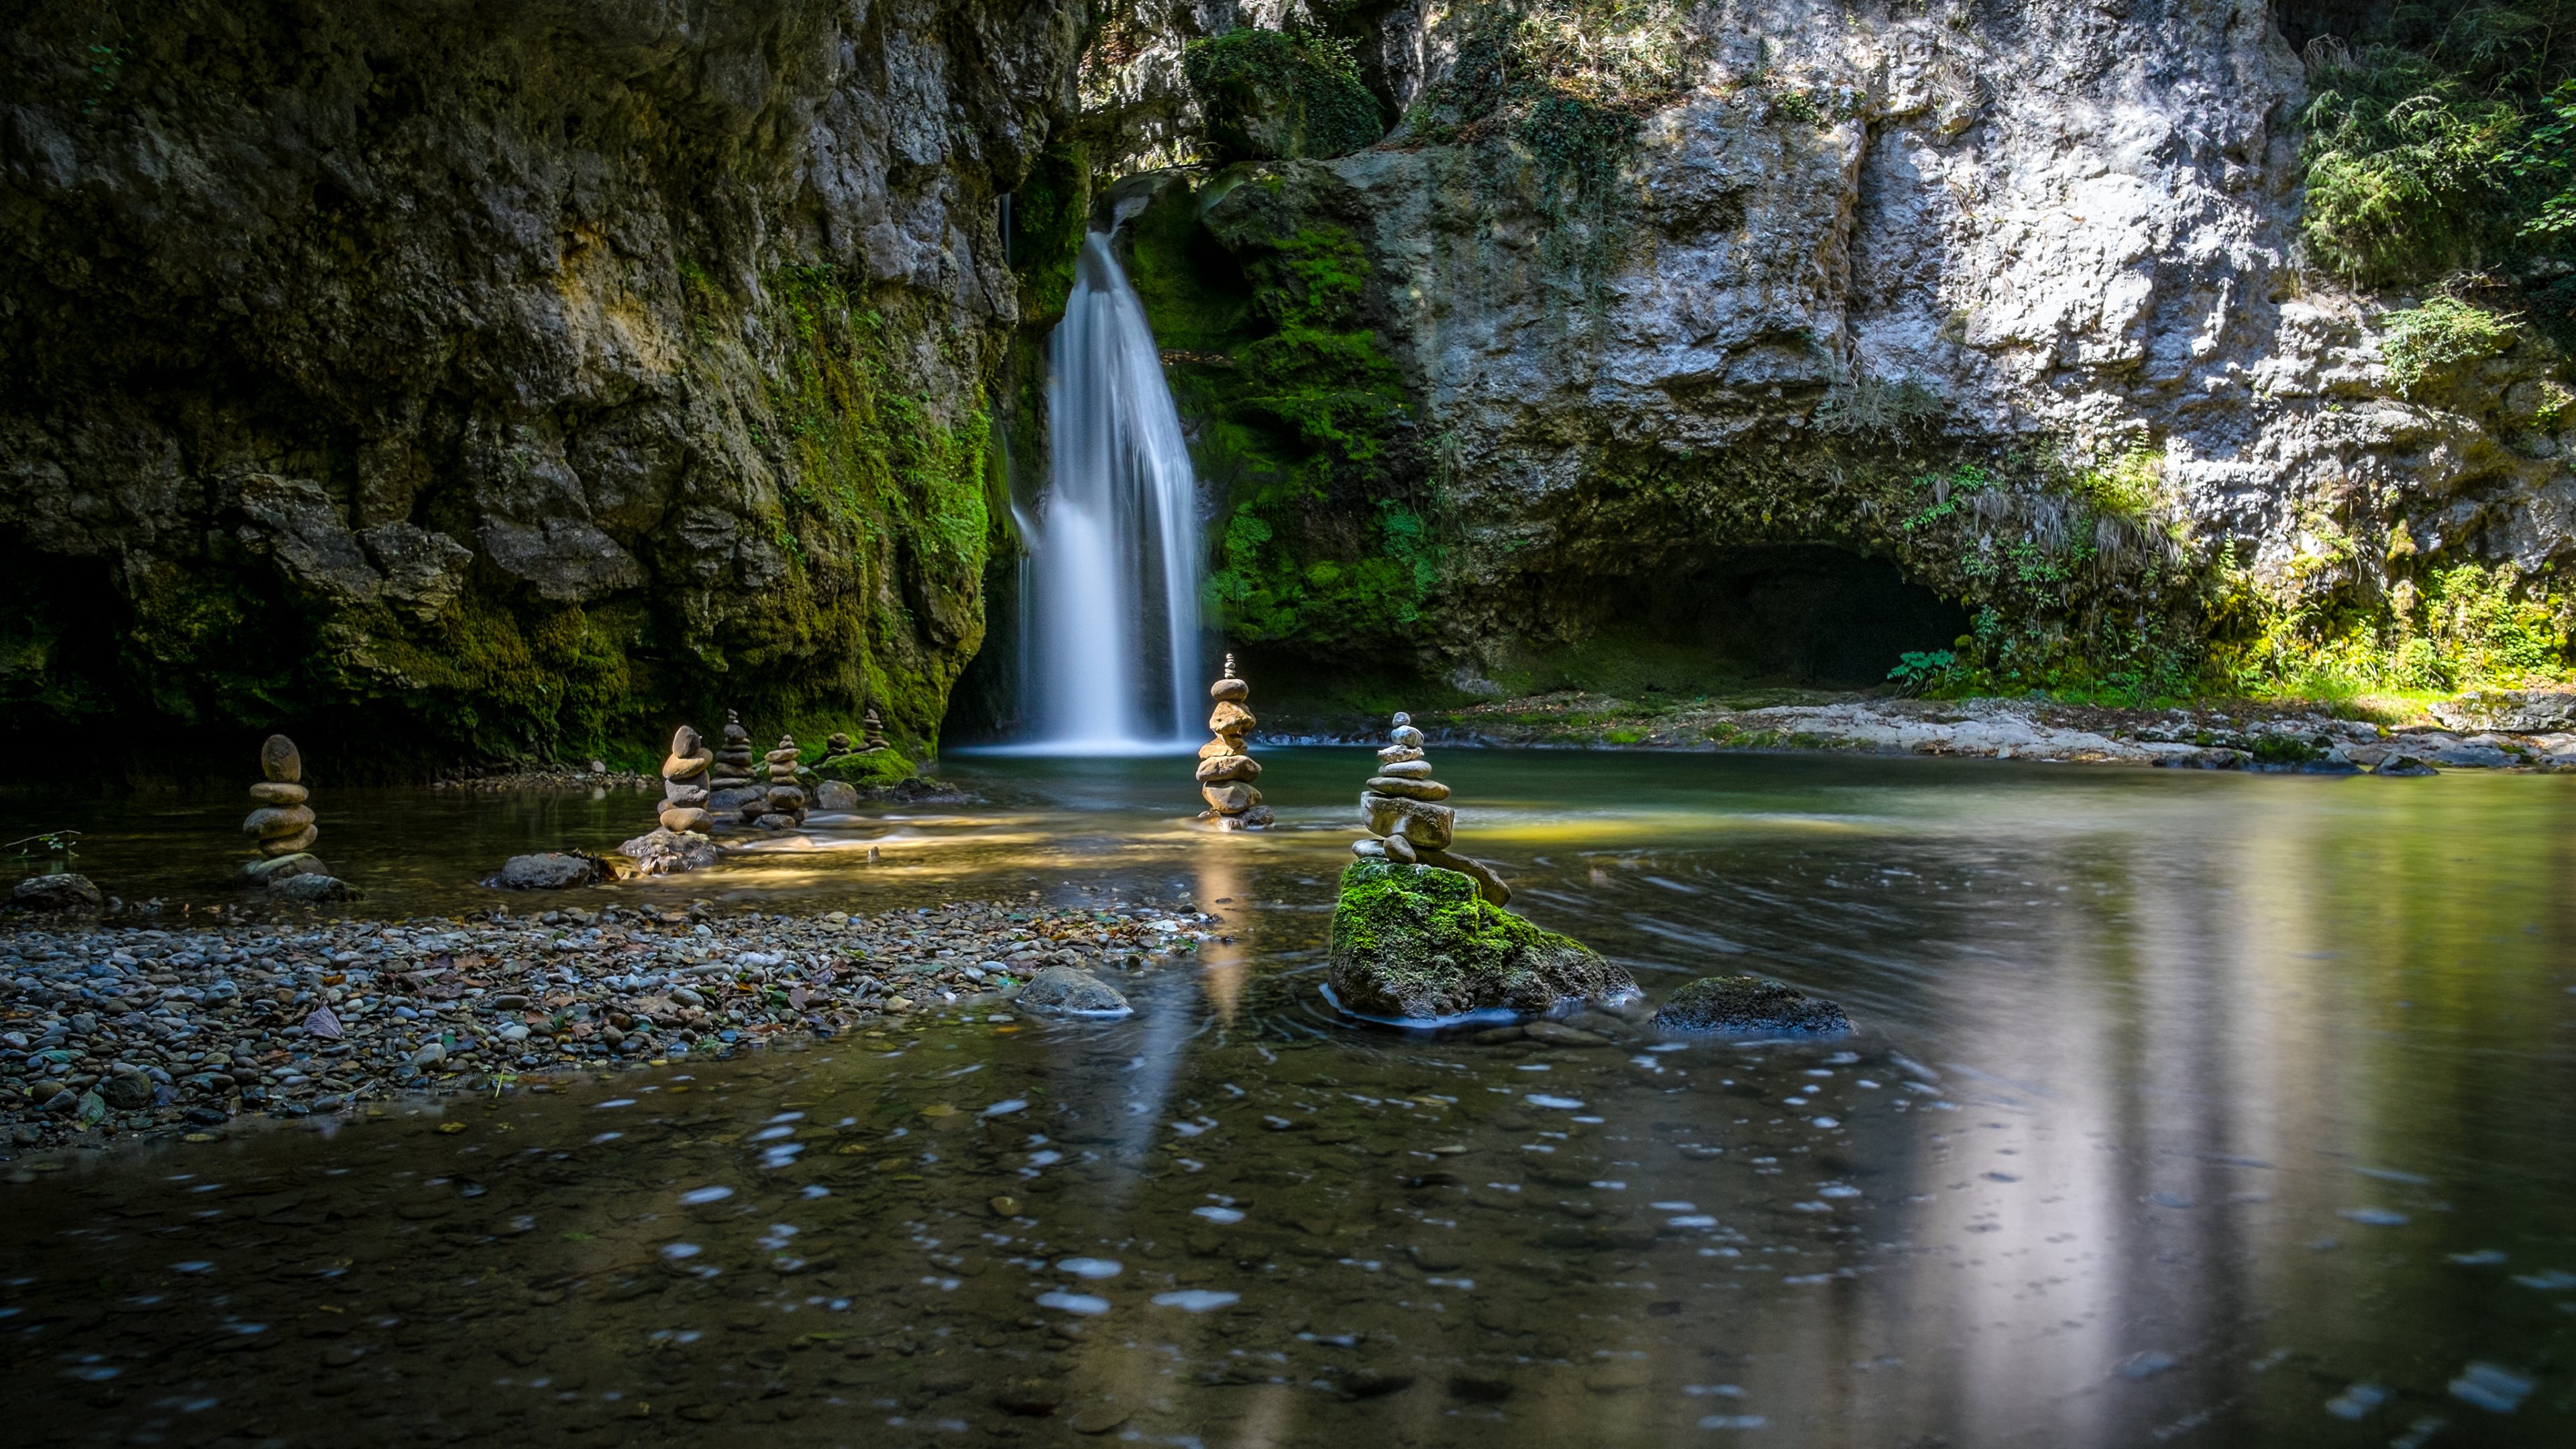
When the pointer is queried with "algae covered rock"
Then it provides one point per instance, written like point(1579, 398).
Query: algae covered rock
point(1750, 1005)
point(1416, 942)
point(876, 768)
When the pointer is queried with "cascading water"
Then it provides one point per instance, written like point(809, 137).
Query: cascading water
point(1113, 596)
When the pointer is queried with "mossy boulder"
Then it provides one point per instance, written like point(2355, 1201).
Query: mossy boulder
point(1750, 1006)
point(1272, 96)
point(1414, 942)
point(882, 767)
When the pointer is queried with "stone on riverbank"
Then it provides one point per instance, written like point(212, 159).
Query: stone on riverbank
point(65, 894)
point(1071, 991)
point(1419, 942)
point(667, 852)
point(309, 888)
point(835, 796)
point(551, 871)
point(1751, 1006)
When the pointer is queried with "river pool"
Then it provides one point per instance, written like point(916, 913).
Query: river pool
point(2182, 1109)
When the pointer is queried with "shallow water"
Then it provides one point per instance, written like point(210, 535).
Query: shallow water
point(2184, 1109)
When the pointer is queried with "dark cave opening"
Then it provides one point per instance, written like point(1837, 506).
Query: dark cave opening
point(1807, 615)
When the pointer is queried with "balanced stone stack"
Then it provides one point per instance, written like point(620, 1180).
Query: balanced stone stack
point(731, 795)
point(837, 746)
point(1401, 805)
point(785, 802)
point(281, 820)
point(873, 729)
point(685, 782)
point(1226, 768)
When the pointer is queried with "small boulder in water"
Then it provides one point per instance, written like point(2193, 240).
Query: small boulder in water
point(669, 852)
point(1418, 943)
point(552, 871)
point(1072, 991)
point(65, 894)
point(836, 795)
point(1750, 1006)
point(308, 888)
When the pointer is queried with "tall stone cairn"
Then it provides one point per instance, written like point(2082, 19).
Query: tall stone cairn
point(731, 793)
point(685, 782)
point(280, 819)
point(871, 732)
point(1226, 768)
point(1401, 806)
point(786, 798)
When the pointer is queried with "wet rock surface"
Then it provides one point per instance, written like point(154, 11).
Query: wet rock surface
point(292, 1021)
point(552, 870)
point(1749, 1006)
point(1073, 991)
point(63, 894)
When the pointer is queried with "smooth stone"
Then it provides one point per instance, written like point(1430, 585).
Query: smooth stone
point(1414, 769)
point(1409, 789)
point(1406, 736)
point(279, 760)
point(836, 795)
point(786, 799)
point(1371, 848)
point(64, 894)
point(1399, 848)
point(684, 820)
point(1234, 690)
point(309, 888)
point(271, 821)
point(1229, 767)
point(1419, 821)
point(1230, 799)
point(684, 794)
point(1750, 1005)
point(551, 871)
point(277, 868)
point(295, 844)
point(278, 792)
point(1071, 991)
point(1230, 718)
point(1416, 942)
point(1399, 754)
point(1489, 882)
point(670, 852)
point(776, 820)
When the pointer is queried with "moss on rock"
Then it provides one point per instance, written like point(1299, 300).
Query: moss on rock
point(881, 768)
point(1415, 942)
point(1277, 95)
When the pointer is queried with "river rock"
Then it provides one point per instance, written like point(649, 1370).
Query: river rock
point(1750, 1005)
point(836, 745)
point(1226, 768)
point(731, 795)
point(64, 894)
point(551, 871)
point(836, 795)
point(1416, 943)
point(1408, 788)
point(2404, 765)
point(283, 867)
point(310, 888)
point(1071, 991)
point(2515, 711)
point(686, 785)
point(669, 852)
point(281, 821)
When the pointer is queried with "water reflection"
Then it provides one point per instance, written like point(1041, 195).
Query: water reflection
point(2185, 1110)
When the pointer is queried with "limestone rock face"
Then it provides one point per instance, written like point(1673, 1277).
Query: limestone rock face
point(1417, 942)
point(470, 394)
point(1750, 1006)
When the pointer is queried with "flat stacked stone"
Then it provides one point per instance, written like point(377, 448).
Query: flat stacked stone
point(838, 745)
point(1226, 767)
point(786, 797)
point(685, 788)
point(731, 795)
point(280, 819)
point(873, 731)
point(1401, 806)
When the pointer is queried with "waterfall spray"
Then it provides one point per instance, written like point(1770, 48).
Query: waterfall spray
point(1114, 576)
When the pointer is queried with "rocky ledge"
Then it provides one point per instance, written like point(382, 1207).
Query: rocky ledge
point(114, 1031)
point(2463, 734)
point(1418, 943)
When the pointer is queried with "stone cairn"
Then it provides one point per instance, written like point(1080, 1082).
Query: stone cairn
point(1226, 768)
point(873, 731)
point(731, 793)
point(837, 746)
point(685, 782)
point(1406, 821)
point(785, 801)
point(281, 820)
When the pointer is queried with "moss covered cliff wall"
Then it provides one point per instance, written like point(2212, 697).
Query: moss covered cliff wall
point(490, 381)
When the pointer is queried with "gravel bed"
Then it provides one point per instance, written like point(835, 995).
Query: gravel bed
point(114, 1030)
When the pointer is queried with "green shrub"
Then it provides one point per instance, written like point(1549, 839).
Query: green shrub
point(2443, 331)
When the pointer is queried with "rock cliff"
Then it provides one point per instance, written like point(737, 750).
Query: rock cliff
point(491, 379)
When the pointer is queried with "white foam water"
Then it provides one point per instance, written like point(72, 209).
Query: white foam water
point(1113, 596)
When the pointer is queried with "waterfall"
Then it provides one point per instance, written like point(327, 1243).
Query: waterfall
point(1113, 597)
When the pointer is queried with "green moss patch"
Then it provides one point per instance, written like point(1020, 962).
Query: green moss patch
point(1281, 95)
point(1414, 942)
